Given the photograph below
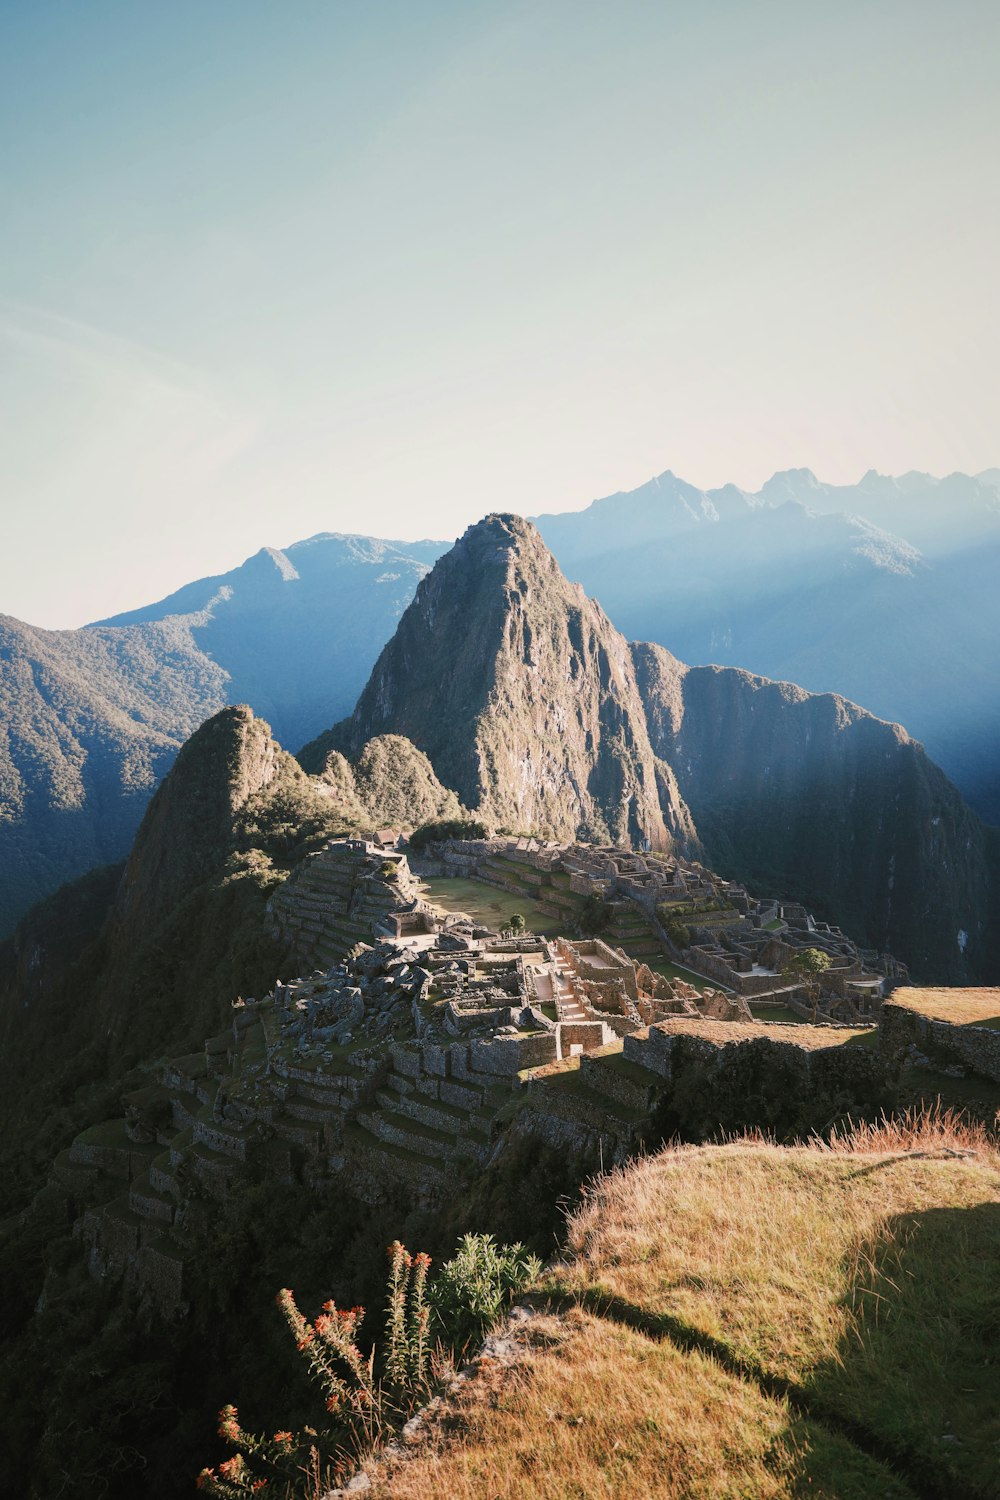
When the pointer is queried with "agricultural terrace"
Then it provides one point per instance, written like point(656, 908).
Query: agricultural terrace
point(967, 1007)
point(486, 905)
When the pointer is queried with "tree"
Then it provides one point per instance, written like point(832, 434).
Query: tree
point(517, 923)
point(807, 966)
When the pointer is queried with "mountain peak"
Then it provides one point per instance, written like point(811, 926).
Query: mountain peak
point(521, 694)
point(790, 484)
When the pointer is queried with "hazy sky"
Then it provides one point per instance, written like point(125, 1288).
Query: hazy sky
point(273, 267)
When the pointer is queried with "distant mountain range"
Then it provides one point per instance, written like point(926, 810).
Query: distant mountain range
point(884, 592)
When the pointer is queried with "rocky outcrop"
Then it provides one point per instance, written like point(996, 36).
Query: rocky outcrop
point(391, 784)
point(523, 696)
point(190, 824)
point(89, 984)
point(808, 794)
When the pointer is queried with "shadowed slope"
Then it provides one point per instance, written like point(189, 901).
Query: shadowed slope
point(809, 794)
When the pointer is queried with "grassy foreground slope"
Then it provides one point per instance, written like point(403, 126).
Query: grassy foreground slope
point(752, 1320)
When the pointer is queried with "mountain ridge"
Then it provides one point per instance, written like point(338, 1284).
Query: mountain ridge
point(826, 600)
point(494, 724)
point(538, 712)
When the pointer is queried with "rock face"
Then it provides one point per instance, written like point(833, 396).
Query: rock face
point(392, 783)
point(523, 696)
point(810, 794)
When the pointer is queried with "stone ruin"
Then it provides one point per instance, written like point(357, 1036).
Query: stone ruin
point(738, 942)
point(391, 1063)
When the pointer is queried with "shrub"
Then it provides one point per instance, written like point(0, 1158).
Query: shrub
point(678, 933)
point(595, 914)
point(476, 1285)
point(356, 1402)
point(447, 828)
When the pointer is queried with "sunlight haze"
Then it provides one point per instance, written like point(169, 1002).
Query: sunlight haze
point(274, 270)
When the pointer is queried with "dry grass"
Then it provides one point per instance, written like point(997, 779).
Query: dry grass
point(932, 1129)
point(595, 1411)
point(866, 1273)
point(968, 1007)
point(812, 1038)
point(862, 1272)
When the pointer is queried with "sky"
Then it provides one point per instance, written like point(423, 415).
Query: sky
point(358, 265)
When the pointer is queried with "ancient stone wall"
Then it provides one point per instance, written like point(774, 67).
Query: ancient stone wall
point(976, 1047)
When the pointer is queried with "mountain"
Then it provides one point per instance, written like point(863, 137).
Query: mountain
point(296, 632)
point(118, 964)
point(522, 695)
point(883, 592)
point(532, 706)
point(90, 720)
point(793, 791)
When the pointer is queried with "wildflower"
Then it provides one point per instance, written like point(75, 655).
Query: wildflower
point(284, 1439)
point(204, 1479)
point(229, 1427)
point(232, 1469)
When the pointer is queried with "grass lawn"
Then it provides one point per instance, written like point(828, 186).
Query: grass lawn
point(867, 1280)
point(489, 906)
point(677, 971)
point(774, 1013)
point(962, 1007)
point(598, 1412)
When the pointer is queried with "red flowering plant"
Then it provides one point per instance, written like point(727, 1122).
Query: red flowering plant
point(357, 1403)
point(236, 1476)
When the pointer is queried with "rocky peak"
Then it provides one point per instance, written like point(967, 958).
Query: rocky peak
point(189, 824)
point(522, 695)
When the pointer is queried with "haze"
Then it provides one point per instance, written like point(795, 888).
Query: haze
point(272, 270)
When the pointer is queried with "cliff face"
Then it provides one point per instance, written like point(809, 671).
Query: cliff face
point(812, 797)
point(522, 695)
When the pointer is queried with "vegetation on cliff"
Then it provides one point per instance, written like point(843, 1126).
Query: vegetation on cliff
point(127, 964)
point(815, 1320)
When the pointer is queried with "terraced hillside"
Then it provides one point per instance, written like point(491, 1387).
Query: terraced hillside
point(548, 900)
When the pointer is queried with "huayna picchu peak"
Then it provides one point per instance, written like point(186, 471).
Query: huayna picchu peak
point(522, 695)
